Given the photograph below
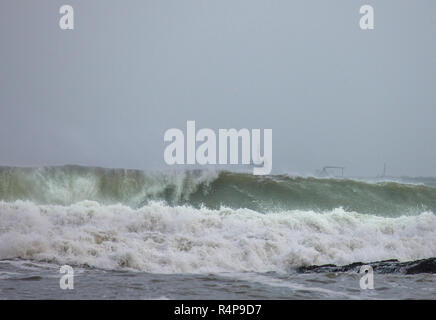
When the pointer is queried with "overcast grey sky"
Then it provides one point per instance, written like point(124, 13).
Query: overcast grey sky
point(104, 93)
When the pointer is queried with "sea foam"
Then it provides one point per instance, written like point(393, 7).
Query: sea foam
point(158, 238)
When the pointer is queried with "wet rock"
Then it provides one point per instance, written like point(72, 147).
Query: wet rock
point(386, 266)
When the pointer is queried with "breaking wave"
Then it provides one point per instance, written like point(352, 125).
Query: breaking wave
point(71, 184)
point(200, 221)
point(162, 239)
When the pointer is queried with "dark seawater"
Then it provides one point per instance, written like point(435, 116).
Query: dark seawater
point(216, 235)
point(30, 280)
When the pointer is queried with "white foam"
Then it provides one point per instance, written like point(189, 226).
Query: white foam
point(162, 239)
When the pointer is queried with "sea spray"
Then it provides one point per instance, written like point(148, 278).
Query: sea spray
point(212, 189)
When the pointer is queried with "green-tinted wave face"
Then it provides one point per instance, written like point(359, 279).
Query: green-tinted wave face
point(288, 193)
point(71, 184)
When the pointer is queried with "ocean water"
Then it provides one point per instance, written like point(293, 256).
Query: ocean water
point(210, 235)
point(20, 279)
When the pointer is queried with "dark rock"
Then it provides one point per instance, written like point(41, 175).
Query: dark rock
point(422, 266)
point(386, 266)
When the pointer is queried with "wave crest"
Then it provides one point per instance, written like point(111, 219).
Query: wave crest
point(71, 184)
